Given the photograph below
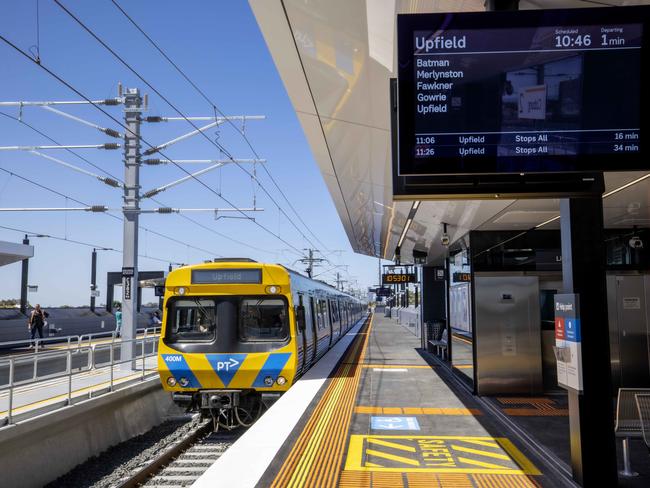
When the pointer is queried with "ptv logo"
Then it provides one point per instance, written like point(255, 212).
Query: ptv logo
point(226, 365)
point(232, 363)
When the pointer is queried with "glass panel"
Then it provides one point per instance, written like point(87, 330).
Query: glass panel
point(263, 319)
point(460, 315)
point(192, 320)
point(321, 315)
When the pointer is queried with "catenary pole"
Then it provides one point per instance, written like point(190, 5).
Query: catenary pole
point(132, 119)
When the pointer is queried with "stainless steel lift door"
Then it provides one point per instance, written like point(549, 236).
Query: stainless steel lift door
point(508, 335)
point(632, 330)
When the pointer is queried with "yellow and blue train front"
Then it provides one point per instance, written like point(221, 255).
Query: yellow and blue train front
point(265, 371)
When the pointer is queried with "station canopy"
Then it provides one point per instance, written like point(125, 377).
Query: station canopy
point(11, 252)
point(336, 58)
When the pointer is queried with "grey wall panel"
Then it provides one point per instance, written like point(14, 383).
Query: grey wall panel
point(508, 335)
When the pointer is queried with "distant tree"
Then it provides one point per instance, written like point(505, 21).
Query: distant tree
point(11, 303)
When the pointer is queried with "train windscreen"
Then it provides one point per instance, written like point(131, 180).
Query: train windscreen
point(192, 320)
point(263, 319)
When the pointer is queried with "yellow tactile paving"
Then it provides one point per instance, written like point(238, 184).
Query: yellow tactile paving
point(396, 366)
point(532, 407)
point(415, 411)
point(356, 479)
point(316, 457)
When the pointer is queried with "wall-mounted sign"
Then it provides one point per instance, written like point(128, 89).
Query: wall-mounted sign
point(462, 277)
point(94, 293)
point(397, 278)
point(440, 274)
point(568, 341)
point(126, 285)
point(383, 292)
point(128, 272)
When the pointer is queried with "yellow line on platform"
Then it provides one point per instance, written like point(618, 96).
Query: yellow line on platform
point(393, 445)
point(392, 457)
point(494, 455)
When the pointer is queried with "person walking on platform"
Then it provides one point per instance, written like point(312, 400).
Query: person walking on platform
point(118, 321)
point(35, 323)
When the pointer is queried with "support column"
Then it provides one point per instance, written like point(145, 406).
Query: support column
point(131, 209)
point(93, 279)
point(591, 419)
point(23, 281)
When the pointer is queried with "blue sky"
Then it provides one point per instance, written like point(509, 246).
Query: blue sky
point(219, 45)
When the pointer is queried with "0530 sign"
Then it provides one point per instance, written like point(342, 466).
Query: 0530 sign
point(395, 278)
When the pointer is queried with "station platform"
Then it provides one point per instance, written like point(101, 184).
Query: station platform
point(33, 383)
point(385, 415)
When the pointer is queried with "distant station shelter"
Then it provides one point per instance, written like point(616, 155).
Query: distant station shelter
point(10, 252)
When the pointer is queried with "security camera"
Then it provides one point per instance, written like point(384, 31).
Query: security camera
point(636, 243)
point(445, 240)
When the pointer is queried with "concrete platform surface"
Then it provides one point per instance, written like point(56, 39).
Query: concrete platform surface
point(388, 416)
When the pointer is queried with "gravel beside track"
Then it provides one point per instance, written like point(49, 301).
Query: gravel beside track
point(118, 462)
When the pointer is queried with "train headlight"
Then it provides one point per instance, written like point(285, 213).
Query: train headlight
point(183, 382)
point(273, 289)
point(268, 381)
point(171, 381)
point(181, 291)
point(281, 380)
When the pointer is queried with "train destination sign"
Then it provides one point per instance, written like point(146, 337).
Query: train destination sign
point(397, 278)
point(523, 92)
point(226, 276)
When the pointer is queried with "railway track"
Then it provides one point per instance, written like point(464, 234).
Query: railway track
point(182, 463)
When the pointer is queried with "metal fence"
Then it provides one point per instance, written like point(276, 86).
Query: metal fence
point(78, 355)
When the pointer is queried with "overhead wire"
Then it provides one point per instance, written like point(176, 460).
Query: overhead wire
point(177, 110)
point(109, 214)
point(81, 243)
point(88, 100)
point(217, 109)
point(205, 227)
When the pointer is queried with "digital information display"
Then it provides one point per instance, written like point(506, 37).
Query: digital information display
point(226, 276)
point(525, 91)
point(395, 278)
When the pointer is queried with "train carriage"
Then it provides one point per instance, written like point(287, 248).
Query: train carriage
point(237, 333)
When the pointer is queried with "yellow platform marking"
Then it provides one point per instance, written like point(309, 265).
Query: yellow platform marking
point(437, 454)
point(462, 339)
point(463, 366)
point(541, 407)
point(415, 411)
point(394, 445)
point(397, 366)
point(316, 456)
point(479, 452)
point(361, 479)
point(391, 457)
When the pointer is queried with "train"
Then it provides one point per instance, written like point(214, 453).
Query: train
point(236, 334)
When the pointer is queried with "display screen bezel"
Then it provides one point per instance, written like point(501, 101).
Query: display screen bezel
point(407, 24)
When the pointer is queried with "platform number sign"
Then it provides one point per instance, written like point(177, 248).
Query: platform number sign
point(127, 287)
